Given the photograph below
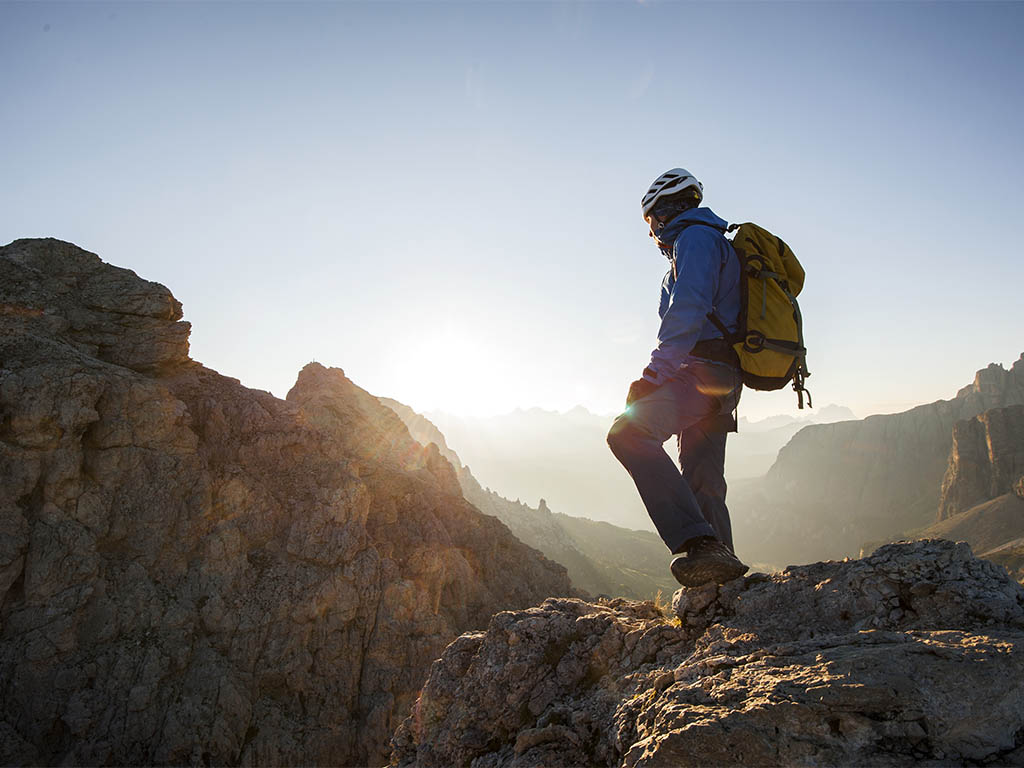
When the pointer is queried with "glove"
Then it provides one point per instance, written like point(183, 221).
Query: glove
point(638, 389)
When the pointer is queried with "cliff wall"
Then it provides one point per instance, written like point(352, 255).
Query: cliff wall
point(196, 572)
point(836, 486)
point(986, 460)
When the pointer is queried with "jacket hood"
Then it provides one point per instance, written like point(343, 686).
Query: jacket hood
point(693, 216)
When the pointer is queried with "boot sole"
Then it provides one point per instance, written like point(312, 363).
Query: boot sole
point(696, 573)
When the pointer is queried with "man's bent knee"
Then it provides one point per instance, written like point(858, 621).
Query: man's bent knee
point(625, 437)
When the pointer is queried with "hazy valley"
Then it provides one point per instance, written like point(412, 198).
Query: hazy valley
point(601, 558)
point(563, 458)
point(825, 485)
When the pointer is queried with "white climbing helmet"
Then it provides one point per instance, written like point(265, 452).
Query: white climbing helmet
point(670, 183)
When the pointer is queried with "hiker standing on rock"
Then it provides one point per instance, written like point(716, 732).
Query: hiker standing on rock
point(690, 388)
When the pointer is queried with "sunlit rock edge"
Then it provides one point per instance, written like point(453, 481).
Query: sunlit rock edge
point(911, 656)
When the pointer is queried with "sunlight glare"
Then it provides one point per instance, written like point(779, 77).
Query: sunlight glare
point(452, 370)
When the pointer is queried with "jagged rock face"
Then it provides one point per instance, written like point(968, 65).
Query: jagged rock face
point(64, 293)
point(836, 486)
point(986, 460)
point(910, 655)
point(601, 558)
point(192, 571)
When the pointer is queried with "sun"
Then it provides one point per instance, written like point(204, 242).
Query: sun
point(450, 368)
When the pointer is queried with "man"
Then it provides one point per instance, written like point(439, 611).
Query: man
point(690, 388)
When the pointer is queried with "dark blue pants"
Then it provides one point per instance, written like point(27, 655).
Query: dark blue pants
point(694, 405)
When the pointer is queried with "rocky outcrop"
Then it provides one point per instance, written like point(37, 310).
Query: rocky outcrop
point(911, 656)
point(601, 558)
point(986, 460)
point(836, 486)
point(195, 572)
point(58, 291)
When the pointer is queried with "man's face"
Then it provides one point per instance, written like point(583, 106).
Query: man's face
point(655, 223)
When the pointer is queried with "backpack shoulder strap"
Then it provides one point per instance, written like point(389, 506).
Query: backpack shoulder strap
point(732, 338)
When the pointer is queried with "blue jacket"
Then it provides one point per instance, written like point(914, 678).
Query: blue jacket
point(708, 277)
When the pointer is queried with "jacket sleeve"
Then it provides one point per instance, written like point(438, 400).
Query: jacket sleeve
point(698, 260)
point(666, 293)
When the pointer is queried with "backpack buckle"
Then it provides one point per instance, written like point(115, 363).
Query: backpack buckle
point(754, 342)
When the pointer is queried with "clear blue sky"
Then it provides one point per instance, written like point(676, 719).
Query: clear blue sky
point(443, 198)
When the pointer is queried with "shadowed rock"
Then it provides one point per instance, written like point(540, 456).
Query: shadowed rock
point(908, 656)
point(64, 293)
point(193, 572)
point(986, 460)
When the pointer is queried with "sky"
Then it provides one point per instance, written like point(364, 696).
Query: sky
point(443, 198)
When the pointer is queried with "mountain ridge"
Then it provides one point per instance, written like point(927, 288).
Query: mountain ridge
point(600, 557)
point(836, 486)
point(196, 572)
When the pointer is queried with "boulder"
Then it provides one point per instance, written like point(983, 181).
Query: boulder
point(910, 656)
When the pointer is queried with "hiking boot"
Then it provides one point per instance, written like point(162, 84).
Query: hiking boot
point(707, 561)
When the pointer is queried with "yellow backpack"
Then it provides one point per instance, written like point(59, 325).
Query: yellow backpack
point(770, 339)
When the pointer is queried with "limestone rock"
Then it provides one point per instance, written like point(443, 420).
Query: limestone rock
point(986, 459)
point(193, 572)
point(60, 291)
point(910, 656)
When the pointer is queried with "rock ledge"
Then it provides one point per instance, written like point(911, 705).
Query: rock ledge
point(911, 656)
